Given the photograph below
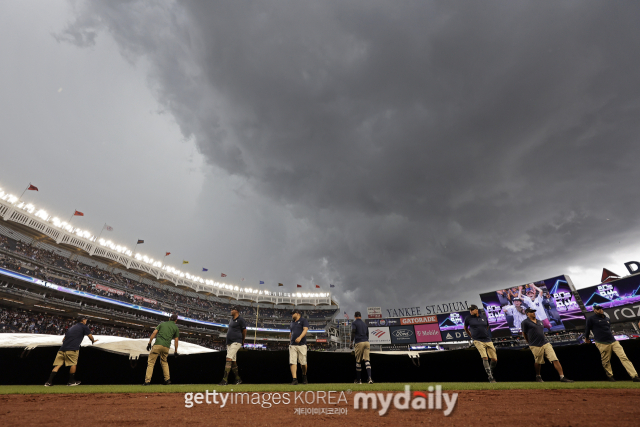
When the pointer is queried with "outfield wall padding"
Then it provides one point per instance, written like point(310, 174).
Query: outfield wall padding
point(580, 363)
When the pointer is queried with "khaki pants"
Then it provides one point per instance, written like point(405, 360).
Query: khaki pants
point(486, 349)
point(297, 353)
point(69, 358)
point(163, 352)
point(232, 350)
point(605, 354)
point(540, 352)
point(362, 351)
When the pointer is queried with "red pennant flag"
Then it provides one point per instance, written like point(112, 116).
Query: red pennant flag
point(32, 188)
point(317, 286)
point(298, 286)
point(77, 213)
point(223, 275)
point(167, 254)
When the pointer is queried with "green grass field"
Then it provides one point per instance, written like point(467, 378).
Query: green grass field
point(184, 388)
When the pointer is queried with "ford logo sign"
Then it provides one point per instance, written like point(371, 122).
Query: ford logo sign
point(402, 333)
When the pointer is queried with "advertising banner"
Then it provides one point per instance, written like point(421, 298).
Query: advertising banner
point(108, 289)
point(553, 300)
point(627, 313)
point(402, 335)
point(379, 335)
point(428, 332)
point(608, 295)
point(321, 340)
point(383, 322)
point(374, 312)
point(458, 335)
point(418, 320)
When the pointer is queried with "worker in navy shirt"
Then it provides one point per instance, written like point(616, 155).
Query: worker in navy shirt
point(533, 331)
point(70, 351)
point(600, 324)
point(236, 335)
point(360, 334)
point(477, 327)
point(298, 346)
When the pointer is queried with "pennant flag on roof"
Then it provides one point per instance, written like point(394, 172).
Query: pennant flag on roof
point(223, 275)
point(280, 284)
point(608, 275)
point(32, 188)
point(140, 242)
point(167, 254)
point(108, 227)
point(205, 269)
point(317, 286)
point(78, 213)
point(185, 262)
point(298, 286)
point(332, 286)
point(261, 282)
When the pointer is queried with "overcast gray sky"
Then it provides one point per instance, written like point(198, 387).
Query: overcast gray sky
point(410, 153)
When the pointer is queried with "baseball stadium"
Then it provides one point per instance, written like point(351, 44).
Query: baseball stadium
point(325, 213)
point(54, 276)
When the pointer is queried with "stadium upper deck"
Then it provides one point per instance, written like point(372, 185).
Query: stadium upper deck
point(49, 230)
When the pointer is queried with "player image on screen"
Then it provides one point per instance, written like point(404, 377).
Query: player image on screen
point(515, 313)
point(551, 299)
point(534, 300)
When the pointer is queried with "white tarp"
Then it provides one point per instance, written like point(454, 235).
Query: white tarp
point(127, 346)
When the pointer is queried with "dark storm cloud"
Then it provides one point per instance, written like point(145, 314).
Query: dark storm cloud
point(434, 148)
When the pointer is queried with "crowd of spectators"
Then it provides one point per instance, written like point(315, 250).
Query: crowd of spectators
point(64, 271)
point(16, 320)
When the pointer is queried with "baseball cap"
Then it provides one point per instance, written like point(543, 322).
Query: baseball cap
point(81, 317)
point(357, 314)
point(473, 307)
point(517, 299)
point(235, 307)
point(529, 310)
point(295, 310)
point(597, 307)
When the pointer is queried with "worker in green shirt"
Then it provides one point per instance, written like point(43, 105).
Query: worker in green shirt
point(164, 333)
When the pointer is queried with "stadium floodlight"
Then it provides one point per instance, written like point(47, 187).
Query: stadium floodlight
point(30, 208)
point(42, 214)
point(12, 199)
point(298, 294)
point(20, 205)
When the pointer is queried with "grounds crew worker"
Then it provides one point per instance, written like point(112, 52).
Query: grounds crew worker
point(600, 324)
point(164, 333)
point(533, 331)
point(476, 327)
point(236, 335)
point(298, 346)
point(70, 350)
point(360, 332)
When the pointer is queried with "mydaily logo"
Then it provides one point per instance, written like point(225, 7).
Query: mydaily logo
point(419, 401)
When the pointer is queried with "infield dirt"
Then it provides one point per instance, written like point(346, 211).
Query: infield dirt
point(613, 407)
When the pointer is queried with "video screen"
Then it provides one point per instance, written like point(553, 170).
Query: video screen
point(555, 306)
point(452, 326)
point(614, 294)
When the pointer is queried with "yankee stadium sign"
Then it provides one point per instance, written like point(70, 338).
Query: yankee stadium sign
point(429, 309)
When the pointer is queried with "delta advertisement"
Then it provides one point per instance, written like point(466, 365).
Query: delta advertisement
point(555, 305)
point(608, 295)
